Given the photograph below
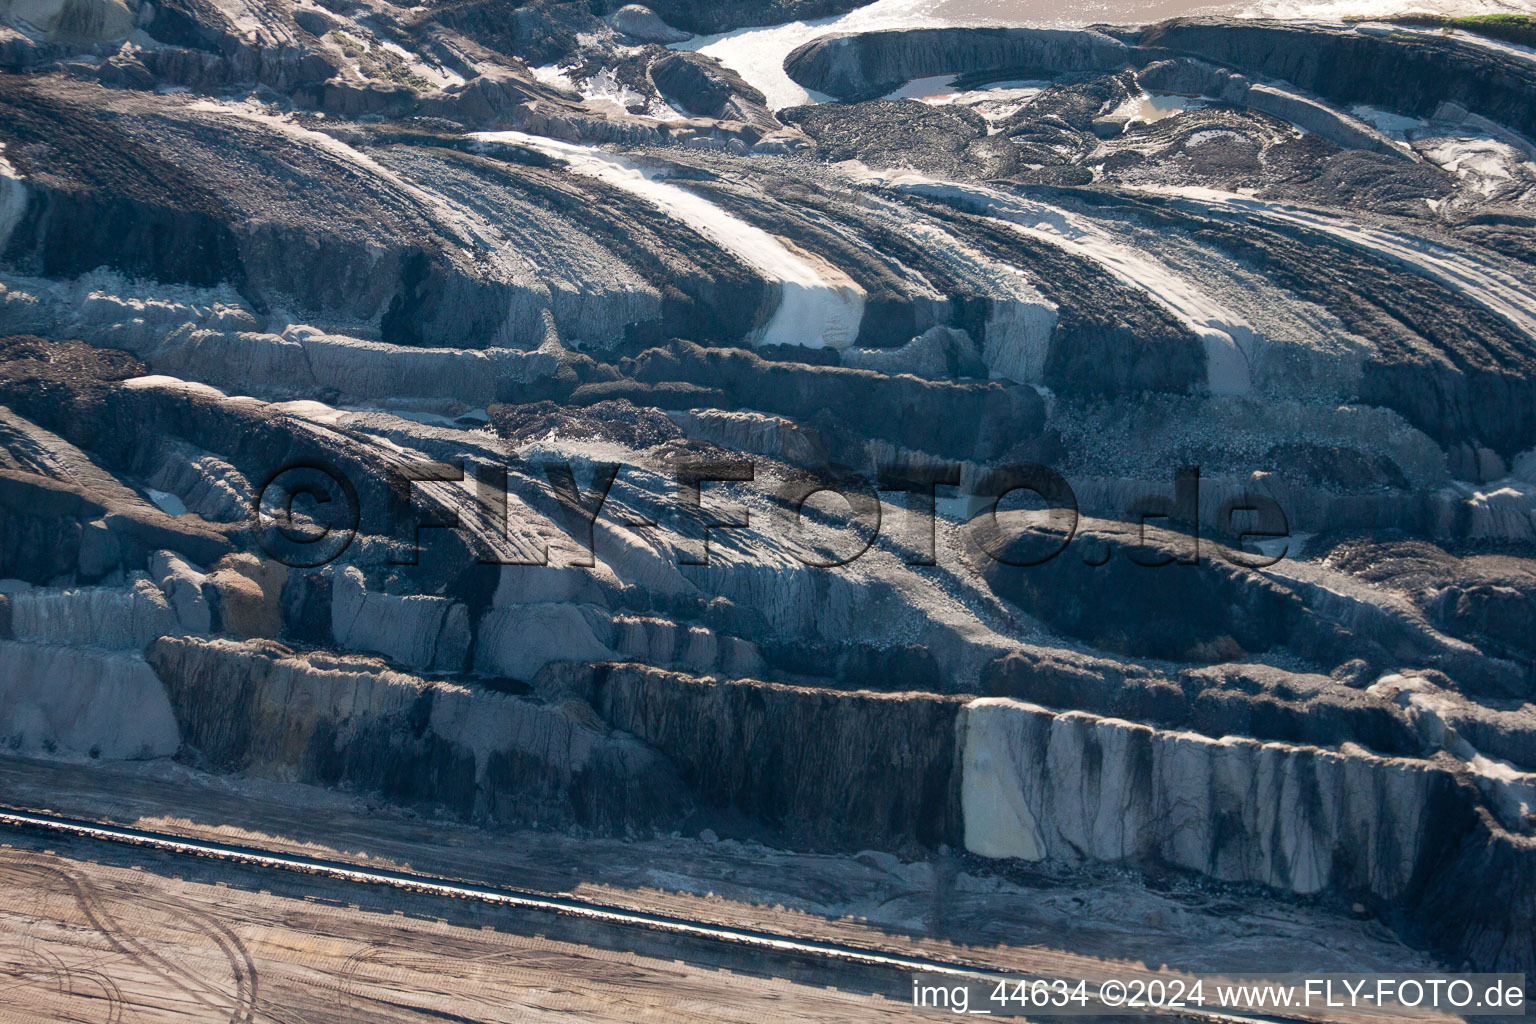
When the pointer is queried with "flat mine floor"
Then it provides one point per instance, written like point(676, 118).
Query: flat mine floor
point(87, 941)
point(92, 931)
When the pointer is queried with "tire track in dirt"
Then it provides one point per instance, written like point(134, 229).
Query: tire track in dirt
point(93, 908)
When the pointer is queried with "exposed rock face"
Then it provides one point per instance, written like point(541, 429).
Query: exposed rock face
point(72, 21)
point(77, 702)
point(685, 375)
point(182, 585)
point(533, 249)
point(98, 616)
point(1487, 600)
point(863, 66)
point(96, 537)
point(1251, 699)
point(520, 640)
point(1411, 72)
point(704, 88)
point(1038, 785)
point(308, 362)
point(841, 770)
point(1141, 600)
point(204, 483)
point(1148, 592)
point(421, 631)
point(264, 709)
point(724, 17)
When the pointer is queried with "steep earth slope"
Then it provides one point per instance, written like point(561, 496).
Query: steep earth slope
point(281, 283)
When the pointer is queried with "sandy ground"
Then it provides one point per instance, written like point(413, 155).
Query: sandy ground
point(1105, 924)
point(85, 941)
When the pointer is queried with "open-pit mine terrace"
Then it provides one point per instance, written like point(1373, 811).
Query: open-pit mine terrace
point(555, 246)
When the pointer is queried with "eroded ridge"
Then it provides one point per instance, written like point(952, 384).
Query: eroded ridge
point(513, 278)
